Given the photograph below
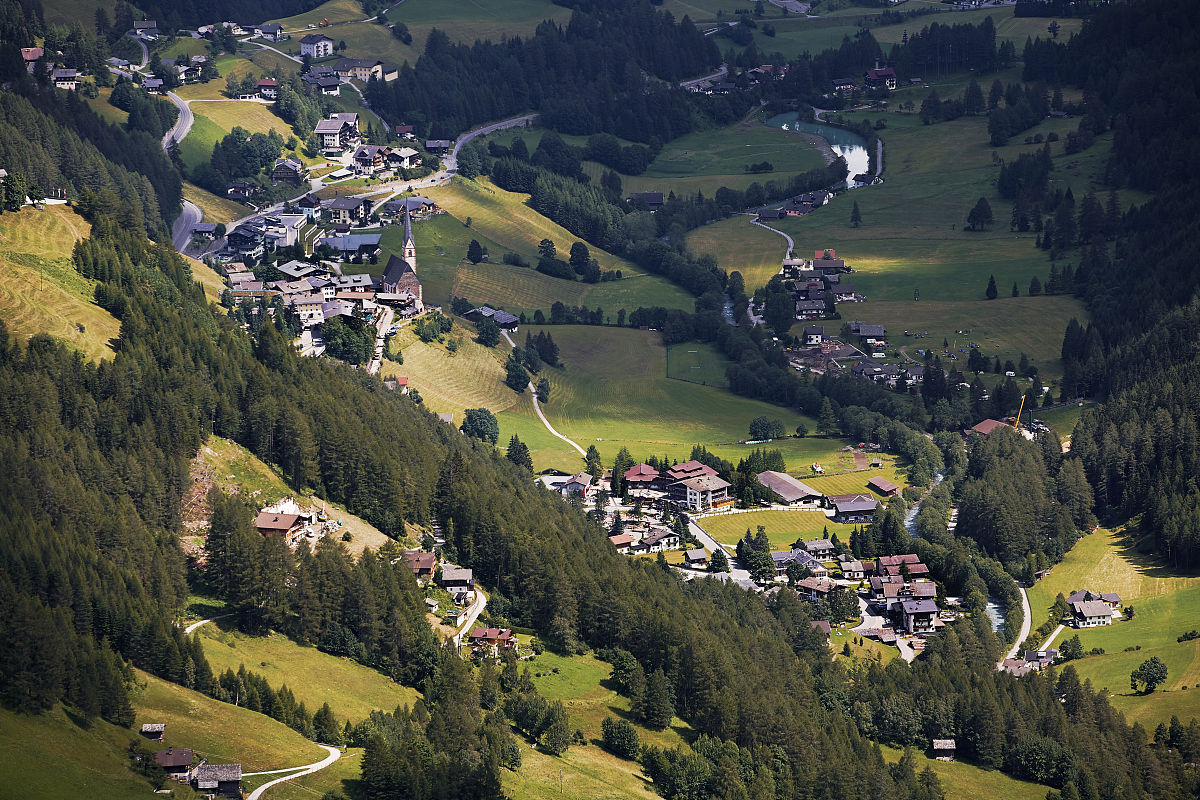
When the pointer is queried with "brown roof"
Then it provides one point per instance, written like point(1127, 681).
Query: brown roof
point(172, 757)
point(492, 634)
point(689, 469)
point(987, 426)
point(621, 540)
point(823, 626)
point(272, 522)
point(882, 485)
point(705, 483)
point(419, 560)
point(641, 473)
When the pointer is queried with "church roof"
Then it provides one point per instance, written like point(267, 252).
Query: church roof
point(408, 234)
point(396, 268)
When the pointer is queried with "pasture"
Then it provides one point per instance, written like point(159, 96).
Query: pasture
point(613, 391)
point(584, 771)
point(351, 689)
point(473, 377)
point(854, 482)
point(961, 780)
point(221, 732)
point(742, 246)
point(697, 362)
point(501, 222)
point(101, 106)
point(783, 526)
point(51, 755)
point(1166, 604)
point(40, 291)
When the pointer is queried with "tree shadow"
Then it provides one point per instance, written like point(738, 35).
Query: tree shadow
point(1128, 540)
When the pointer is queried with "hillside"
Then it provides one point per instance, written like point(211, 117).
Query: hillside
point(40, 291)
point(230, 466)
point(1166, 604)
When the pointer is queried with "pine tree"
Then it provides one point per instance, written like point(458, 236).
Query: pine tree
point(518, 453)
point(657, 707)
point(991, 292)
point(826, 421)
point(475, 252)
point(515, 376)
point(855, 215)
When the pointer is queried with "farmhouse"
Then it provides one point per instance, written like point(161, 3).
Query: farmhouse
point(457, 578)
point(821, 549)
point(1111, 599)
point(268, 88)
point(316, 45)
point(814, 335)
point(65, 79)
point(493, 640)
point(153, 85)
point(853, 507)
point(661, 539)
point(271, 523)
point(272, 32)
point(790, 491)
point(579, 483)
point(621, 542)
point(697, 558)
point(437, 145)
point(287, 170)
point(362, 68)
point(224, 780)
point(421, 563)
point(1091, 613)
point(871, 336)
point(414, 205)
point(883, 486)
point(843, 84)
point(884, 78)
point(653, 201)
point(177, 764)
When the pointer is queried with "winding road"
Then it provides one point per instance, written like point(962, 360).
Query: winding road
point(721, 73)
point(538, 408)
point(473, 612)
point(182, 126)
point(790, 244)
point(181, 228)
point(334, 755)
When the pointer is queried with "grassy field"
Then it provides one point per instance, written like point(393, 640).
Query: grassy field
point(854, 482)
point(613, 391)
point(912, 238)
point(227, 64)
point(584, 771)
point(197, 147)
point(206, 276)
point(471, 378)
point(1166, 605)
point(869, 650)
point(102, 107)
point(214, 208)
point(741, 246)
point(962, 781)
point(1008, 27)
point(351, 689)
point(232, 466)
point(40, 291)
point(501, 222)
point(221, 732)
point(697, 362)
point(91, 760)
point(213, 119)
point(466, 22)
point(1063, 420)
point(783, 526)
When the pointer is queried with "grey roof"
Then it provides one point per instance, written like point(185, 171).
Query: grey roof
point(814, 330)
point(1091, 608)
point(850, 503)
point(271, 27)
point(921, 606)
point(457, 574)
point(796, 556)
point(351, 241)
point(705, 483)
point(337, 308)
point(408, 203)
point(204, 227)
point(659, 535)
point(351, 63)
point(298, 269)
point(396, 268)
point(818, 545)
point(699, 554)
point(313, 38)
point(290, 163)
point(209, 775)
point(786, 486)
point(154, 727)
point(344, 203)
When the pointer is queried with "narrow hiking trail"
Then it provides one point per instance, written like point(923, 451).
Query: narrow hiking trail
point(538, 408)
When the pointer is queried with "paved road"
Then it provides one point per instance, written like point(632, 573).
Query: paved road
point(1026, 623)
point(790, 244)
point(145, 51)
point(1046, 645)
point(381, 326)
point(721, 73)
point(334, 755)
point(473, 613)
point(181, 229)
point(190, 628)
point(182, 126)
point(538, 408)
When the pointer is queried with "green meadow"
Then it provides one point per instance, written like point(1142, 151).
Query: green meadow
point(1166, 605)
point(783, 527)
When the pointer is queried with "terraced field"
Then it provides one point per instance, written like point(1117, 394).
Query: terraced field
point(40, 291)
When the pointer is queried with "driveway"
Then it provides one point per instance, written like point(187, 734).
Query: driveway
point(473, 612)
point(334, 755)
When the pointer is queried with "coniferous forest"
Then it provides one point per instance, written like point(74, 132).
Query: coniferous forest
point(94, 461)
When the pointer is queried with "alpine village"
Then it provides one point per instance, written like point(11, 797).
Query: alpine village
point(600, 399)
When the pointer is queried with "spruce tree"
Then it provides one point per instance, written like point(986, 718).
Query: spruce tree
point(855, 215)
point(657, 707)
point(518, 453)
point(991, 292)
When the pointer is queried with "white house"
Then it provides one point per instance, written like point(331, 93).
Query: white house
point(316, 45)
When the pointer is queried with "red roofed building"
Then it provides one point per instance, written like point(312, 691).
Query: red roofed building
point(421, 563)
point(642, 476)
point(496, 639)
point(882, 78)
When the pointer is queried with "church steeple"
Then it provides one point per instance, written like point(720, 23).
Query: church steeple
point(410, 244)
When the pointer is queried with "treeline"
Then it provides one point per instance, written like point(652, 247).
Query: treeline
point(59, 144)
point(146, 113)
point(557, 71)
point(172, 16)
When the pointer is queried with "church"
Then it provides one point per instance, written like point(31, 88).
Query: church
point(400, 283)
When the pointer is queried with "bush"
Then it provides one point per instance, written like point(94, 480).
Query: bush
point(620, 738)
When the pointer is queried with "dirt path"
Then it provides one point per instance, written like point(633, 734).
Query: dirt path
point(537, 407)
point(190, 628)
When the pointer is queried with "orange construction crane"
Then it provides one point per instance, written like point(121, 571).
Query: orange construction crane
point(1017, 421)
